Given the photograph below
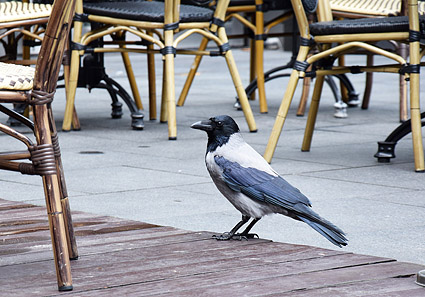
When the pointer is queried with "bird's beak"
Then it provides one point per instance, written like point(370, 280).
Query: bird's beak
point(202, 125)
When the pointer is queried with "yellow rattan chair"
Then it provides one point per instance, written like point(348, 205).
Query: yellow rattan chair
point(36, 87)
point(370, 9)
point(352, 34)
point(363, 9)
point(21, 20)
point(155, 23)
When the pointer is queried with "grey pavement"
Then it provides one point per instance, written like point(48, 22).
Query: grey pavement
point(140, 175)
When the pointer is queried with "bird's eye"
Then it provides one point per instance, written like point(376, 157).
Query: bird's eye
point(219, 123)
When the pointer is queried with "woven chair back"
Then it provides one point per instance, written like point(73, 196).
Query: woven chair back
point(309, 5)
point(53, 45)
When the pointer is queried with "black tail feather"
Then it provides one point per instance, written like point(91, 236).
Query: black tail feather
point(337, 238)
point(324, 227)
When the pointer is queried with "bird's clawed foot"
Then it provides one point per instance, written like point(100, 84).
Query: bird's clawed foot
point(248, 235)
point(237, 236)
point(223, 236)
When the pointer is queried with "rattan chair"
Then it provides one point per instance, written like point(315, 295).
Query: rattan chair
point(21, 21)
point(356, 33)
point(352, 9)
point(36, 87)
point(145, 20)
point(250, 13)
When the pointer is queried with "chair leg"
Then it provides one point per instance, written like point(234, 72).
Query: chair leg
point(259, 67)
point(304, 96)
point(415, 113)
point(252, 70)
point(402, 51)
point(170, 94)
point(259, 60)
point(57, 232)
point(240, 90)
point(369, 82)
point(69, 228)
point(403, 99)
point(281, 116)
point(131, 79)
point(163, 115)
point(192, 73)
point(73, 79)
point(312, 113)
point(305, 92)
point(75, 122)
point(54, 205)
point(152, 82)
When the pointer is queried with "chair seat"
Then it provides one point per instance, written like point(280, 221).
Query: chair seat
point(16, 77)
point(365, 25)
point(18, 11)
point(374, 8)
point(147, 11)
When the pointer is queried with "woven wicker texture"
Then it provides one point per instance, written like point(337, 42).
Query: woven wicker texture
point(16, 77)
point(366, 25)
point(310, 6)
point(267, 4)
point(18, 11)
point(145, 11)
point(374, 8)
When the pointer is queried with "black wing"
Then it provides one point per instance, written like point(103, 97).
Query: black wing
point(259, 185)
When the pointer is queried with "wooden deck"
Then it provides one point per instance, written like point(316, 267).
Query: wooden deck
point(128, 258)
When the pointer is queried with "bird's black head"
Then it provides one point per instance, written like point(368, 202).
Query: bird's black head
point(219, 130)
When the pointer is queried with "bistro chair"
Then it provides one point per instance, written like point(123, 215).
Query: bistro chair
point(21, 23)
point(353, 9)
point(351, 34)
point(36, 87)
point(250, 13)
point(20, 20)
point(155, 23)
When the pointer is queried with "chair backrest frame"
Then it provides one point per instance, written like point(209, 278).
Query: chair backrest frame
point(324, 13)
point(53, 45)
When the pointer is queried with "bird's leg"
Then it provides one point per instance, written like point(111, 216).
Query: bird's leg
point(229, 235)
point(246, 234)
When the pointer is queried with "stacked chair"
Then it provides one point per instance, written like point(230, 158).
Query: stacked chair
point(351, 34)
point(36, 87)
point(156, 25)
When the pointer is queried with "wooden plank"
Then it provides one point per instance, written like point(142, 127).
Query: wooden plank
point(22, 213)
point(4, 202)
point(12, 205)
point(82, 228)
point(21, 243)
point(402, 287)
point(24, 240)
point(277, 284)
point(43, 251)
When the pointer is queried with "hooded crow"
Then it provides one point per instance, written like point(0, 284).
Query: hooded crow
point(245, 178)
